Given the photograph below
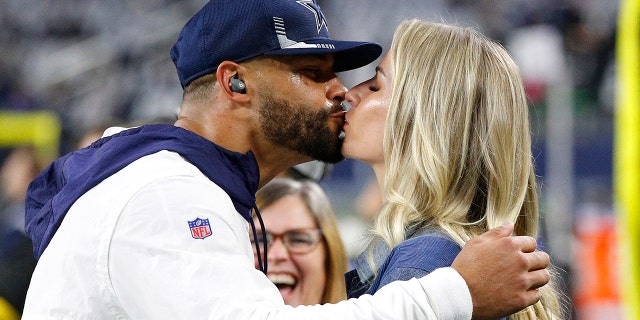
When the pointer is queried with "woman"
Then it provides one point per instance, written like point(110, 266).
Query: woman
point(449, 108)
point(306, 256)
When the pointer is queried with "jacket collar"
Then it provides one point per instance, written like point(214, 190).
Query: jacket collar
point(53, 192)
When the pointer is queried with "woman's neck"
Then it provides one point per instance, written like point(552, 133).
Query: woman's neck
point(381, 172)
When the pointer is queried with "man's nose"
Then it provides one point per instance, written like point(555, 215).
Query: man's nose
point(336, 89)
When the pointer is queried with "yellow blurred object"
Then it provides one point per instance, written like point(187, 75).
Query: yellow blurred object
point(7, 312)
point(41, 129)
point(627, 154)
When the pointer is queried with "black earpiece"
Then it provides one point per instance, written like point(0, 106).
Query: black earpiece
point(238, 85)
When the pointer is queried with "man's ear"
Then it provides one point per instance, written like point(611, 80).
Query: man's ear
point(229, 76)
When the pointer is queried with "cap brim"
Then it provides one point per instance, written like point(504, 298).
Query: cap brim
point(347, 55)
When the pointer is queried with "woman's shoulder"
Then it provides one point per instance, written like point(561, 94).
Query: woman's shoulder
point(416, 257)
point(426, 248)
point(428, 238)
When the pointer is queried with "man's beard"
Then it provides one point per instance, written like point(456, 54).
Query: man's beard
point(300, 128)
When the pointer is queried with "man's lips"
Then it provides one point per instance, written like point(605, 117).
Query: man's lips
point(338, 114)
point(338, 111)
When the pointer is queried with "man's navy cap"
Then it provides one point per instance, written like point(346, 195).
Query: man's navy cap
point(238, 30)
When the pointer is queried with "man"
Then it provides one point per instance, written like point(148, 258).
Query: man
point(152, 222)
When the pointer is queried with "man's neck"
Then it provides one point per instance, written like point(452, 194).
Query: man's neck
point(275, 160)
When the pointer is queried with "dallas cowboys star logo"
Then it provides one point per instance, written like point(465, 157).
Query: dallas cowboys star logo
point(313, 7)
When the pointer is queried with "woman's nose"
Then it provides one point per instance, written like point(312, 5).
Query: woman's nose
point(355, 94)
point(278, 251)
point(352, 97)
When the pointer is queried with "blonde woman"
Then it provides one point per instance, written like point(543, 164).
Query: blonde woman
point(306, 256)
point(448, 108)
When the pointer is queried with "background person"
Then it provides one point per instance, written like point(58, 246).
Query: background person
point(16, 255)
point(444, 125)
point(306, 256)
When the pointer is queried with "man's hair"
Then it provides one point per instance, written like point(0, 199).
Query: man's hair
point(200, 89)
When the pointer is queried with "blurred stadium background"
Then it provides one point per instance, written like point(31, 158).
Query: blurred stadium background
point(71, 67)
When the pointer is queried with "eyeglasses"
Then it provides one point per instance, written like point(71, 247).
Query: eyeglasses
point(296, 241)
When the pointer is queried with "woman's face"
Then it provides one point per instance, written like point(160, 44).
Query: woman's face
point(300, 277)
point(365, 121)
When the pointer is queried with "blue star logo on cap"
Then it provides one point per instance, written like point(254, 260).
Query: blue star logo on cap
point(313, 7)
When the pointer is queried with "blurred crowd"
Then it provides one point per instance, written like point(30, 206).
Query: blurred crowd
point(93, 61)
point(99, 62)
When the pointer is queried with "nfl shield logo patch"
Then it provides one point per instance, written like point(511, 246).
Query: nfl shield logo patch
point(200, 228)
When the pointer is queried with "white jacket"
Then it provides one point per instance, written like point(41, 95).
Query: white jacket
point(125, 251)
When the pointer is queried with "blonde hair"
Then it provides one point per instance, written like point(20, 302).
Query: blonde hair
point(319, 205)
point(457, 142)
